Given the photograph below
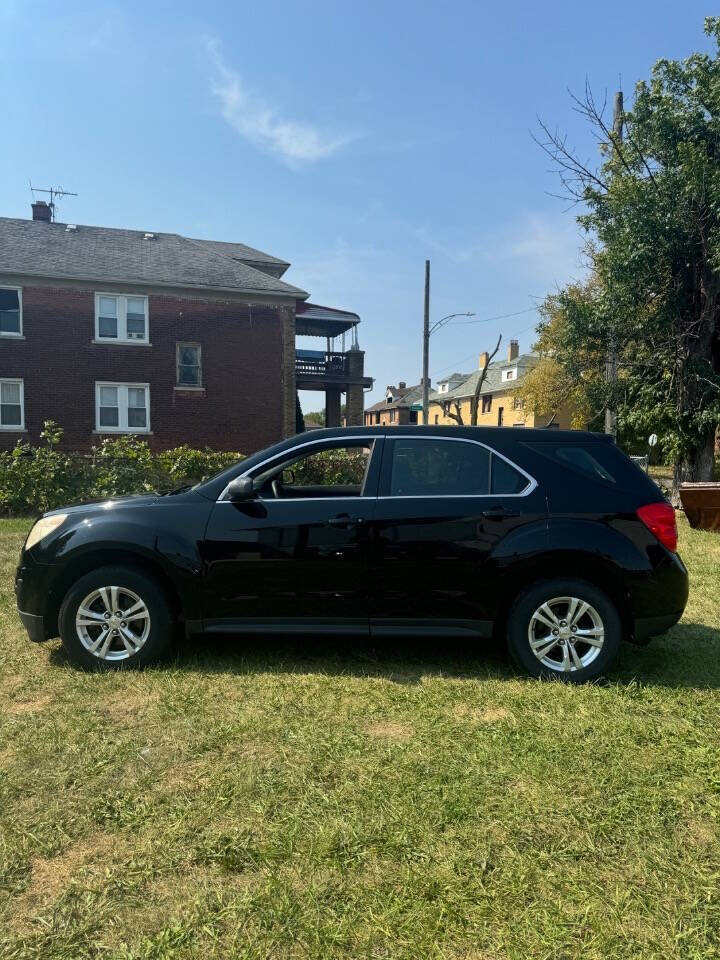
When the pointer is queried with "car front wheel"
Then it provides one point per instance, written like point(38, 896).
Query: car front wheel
point(565, 629)
point(115, 617)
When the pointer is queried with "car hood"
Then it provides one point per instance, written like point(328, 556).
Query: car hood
point(93, 506)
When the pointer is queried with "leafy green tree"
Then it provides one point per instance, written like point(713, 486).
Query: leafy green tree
point(316, 418)
point(299, 420)
point(652, 212)
point(572, 347)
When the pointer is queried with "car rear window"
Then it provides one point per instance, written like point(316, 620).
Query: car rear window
point(596, 460)
point(581, 459)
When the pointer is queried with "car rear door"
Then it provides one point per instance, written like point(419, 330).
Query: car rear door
point(454, 519)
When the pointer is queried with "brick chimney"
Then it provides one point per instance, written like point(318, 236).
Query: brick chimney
point(513, 350)
point(482, 360)
point(402, 385)
point(42, 211)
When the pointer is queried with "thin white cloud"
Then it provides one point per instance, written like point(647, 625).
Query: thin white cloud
point(544, 247)
point(551, 248)
point(259, 123)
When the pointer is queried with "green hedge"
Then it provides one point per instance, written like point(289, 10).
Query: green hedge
point(35, 479)
point(331, 466)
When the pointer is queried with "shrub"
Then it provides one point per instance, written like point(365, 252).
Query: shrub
point(38, 478)
point(122, 465)
point(331, 466)
point(182, 465)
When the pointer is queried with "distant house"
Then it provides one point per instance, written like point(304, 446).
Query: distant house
point(177, 340)
point(500, 404)
point(398, 407)
point(450, 383)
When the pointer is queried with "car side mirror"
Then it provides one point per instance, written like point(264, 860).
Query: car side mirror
point(242, 488)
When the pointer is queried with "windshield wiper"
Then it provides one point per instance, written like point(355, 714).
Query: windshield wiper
point(182, 489)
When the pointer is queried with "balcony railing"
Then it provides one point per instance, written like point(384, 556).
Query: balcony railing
point(312, 363)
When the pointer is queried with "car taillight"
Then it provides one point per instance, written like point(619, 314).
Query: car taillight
point(659, 518)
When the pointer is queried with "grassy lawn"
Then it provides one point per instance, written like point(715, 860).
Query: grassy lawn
point(255, 801)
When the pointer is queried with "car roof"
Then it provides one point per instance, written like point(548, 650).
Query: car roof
point(486, 434)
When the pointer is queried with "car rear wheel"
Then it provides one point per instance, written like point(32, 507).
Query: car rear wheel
point(115, 617)
point(565, 629)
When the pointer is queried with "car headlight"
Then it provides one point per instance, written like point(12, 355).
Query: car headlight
point(44, 528)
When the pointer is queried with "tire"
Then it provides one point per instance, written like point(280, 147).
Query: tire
point(573, 655)
point(139, 639)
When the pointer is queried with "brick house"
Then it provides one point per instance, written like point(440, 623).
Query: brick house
point(178, 340)
point(397, 407)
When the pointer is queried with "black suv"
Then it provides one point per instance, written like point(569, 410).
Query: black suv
point(552, 539)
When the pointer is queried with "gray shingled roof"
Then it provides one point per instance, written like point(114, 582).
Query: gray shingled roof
point(36, 248)
point(493, 380)
point(403, 398)
point(240, 251)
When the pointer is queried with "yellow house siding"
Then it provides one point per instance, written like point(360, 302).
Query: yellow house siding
point(511, 416)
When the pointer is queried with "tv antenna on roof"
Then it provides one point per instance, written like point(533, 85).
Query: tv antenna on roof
point(54, 192)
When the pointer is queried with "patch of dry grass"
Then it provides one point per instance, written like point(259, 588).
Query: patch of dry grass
point(389, 731)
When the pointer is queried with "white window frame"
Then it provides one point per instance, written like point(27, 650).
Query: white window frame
point(122, 299)
point(123, 388)
point(15, 427)
point(510, 374)
point(20, 335)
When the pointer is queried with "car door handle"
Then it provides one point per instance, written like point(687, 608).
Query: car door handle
point(345, 521)
point(500, 513)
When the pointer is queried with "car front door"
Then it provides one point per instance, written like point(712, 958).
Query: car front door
point(295, 557)
point(454, 517)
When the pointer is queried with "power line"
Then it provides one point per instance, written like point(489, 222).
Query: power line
point(472, 356)
point(502, 316)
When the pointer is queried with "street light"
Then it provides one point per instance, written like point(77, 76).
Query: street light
point(439, 323)
point(428, 331)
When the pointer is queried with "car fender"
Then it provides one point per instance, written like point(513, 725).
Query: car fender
point(610, 540)
point(176, 557)
point(524, 540)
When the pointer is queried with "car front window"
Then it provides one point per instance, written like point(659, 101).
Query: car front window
point(334, 471)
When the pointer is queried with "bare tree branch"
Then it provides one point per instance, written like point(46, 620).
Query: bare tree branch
point(589, 109)
point(574, 174)
point(475, 402)
point(457, 415)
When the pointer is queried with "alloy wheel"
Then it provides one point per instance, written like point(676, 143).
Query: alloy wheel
point(566, 634)
point(113, 623)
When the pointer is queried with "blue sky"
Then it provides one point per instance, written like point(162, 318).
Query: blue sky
point(354, 140)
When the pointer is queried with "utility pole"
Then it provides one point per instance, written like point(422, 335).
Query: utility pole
point(611, 367)
point(426, 343)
